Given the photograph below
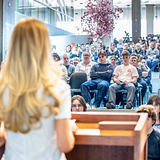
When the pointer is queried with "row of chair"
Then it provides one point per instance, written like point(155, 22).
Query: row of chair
point(77, 79)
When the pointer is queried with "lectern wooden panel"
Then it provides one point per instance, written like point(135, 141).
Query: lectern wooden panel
point(110, 136)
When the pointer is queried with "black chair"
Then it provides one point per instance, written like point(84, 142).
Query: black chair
point(75, 82)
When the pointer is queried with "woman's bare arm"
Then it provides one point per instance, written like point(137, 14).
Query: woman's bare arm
point(65, 138)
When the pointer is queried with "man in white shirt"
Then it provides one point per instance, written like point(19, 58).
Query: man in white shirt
point(86, 65)
point(124, 77)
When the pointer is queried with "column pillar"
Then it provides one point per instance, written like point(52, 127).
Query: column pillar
point(136, 20)
point(150, 18)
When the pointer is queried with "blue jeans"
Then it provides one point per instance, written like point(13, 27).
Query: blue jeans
point(100, 85)
point(152, 63)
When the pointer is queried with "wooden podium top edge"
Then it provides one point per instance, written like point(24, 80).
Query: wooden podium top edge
point(105, 113)
point(93, 117)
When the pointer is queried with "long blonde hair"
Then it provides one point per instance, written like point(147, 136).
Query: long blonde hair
point(27, 67)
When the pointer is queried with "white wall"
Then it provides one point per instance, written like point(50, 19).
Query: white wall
point(62, 41)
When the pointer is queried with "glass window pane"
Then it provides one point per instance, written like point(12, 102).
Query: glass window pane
point(27, 8)
point(41, 12)
point(34, 10)
point(47, 15)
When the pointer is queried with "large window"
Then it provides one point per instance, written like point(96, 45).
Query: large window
point(157, 20)
point(124, 23)
point(52, 12)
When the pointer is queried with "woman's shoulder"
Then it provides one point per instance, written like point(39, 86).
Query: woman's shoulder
point(61, 86)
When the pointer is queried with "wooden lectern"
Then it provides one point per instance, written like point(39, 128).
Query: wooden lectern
point(110, 136)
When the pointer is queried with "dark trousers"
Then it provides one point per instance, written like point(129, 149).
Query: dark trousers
point(100, 85)
point(144, 84)
point(130, 93)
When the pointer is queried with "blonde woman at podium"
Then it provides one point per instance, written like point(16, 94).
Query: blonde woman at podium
point(34, 103)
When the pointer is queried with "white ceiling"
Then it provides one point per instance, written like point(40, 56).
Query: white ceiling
point(121, 3)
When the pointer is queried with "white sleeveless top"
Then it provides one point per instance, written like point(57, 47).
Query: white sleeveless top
point(39, 144)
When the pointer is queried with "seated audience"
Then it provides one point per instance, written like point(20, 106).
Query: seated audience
point(115, 42)
point(71, 61)
point(155, 102)
point(158, 47)
point(153, 57)
point(148, 77)
point(144, 50)
point(67, 50)
point(138, 49)
point(141, 42)
point(35, 102)
point(140, 58)
point(125, 76)
point(100, 75)
point(75, 52)
point(86, 65)
point(134, 62)
point(87, 48)
point(80, 48)
point(141, 66)
point(147, 43)
point(76, 60)
point(145, 64)
point(99, 48)
point(113, 61)
point(70, 68)
point(133, 48)
point(157, 40)
point(120, 45)
point(94, 53)
point(153, 135)
point(83, 47)
point(113, 51)
point(139, 38)
point(78, 104)
point(152, 39)
point(126, 48)
point(56, 58)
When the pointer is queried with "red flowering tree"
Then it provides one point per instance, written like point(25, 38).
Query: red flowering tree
point(99, 18)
